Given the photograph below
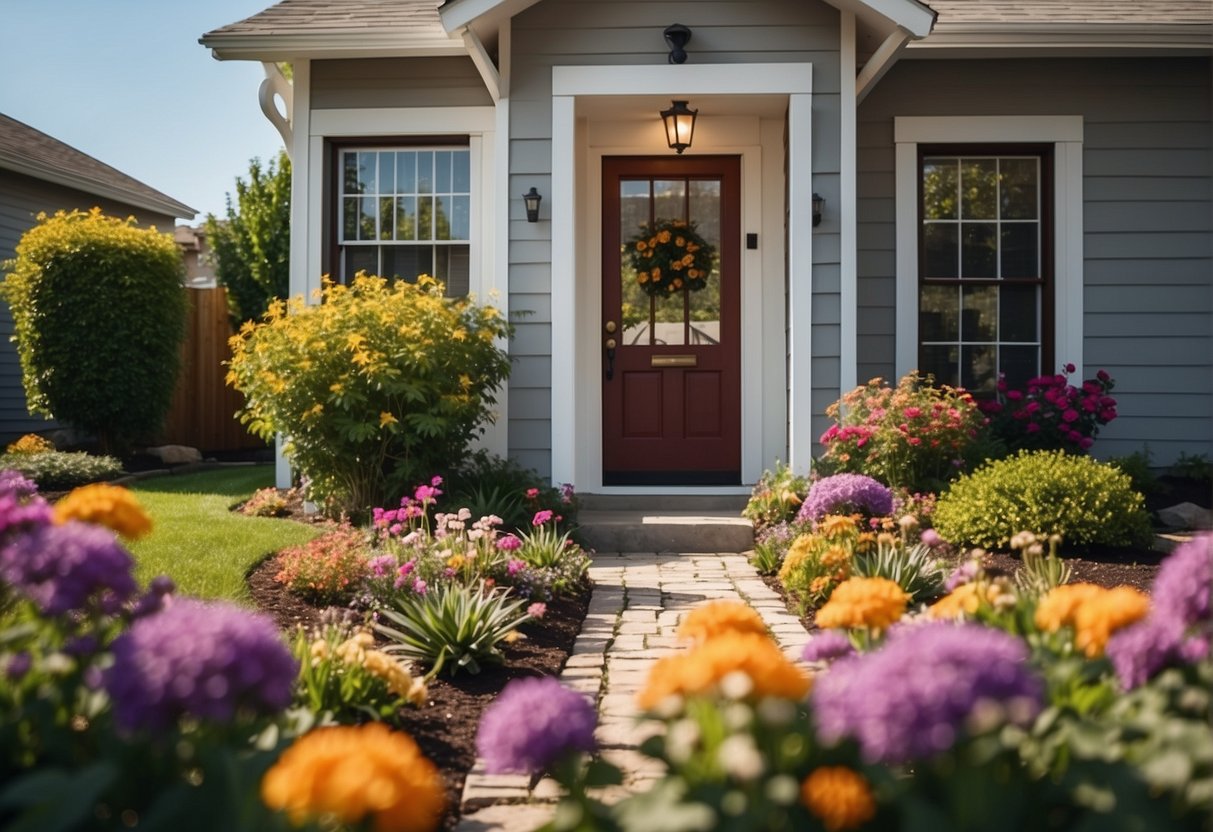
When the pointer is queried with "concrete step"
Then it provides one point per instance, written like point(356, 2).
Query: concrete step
point(665, 530)
point(712, 503)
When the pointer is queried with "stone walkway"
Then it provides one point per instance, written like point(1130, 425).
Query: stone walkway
point(638, 602)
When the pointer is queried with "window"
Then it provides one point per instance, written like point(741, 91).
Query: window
point(985, 264)
point(404, 212)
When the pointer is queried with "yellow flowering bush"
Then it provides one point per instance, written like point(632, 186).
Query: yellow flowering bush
point(31, 443)
point(817, 562)
point(341, 674)
point(839, 796)
point(874, 603)
point(1094, 613)
point(669, 256)
point(353, 774)
point(375, 387)
point(111, 506)
point(719, 617)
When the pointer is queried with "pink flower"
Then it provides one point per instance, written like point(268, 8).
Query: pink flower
point(1032, 427)
point(1069, 368)
point(541, 517)
point(537, 609)
point(1107, 415)
point(532, 493)
point(509, 543)
point(436, 481)
point(1070, 415)
point(931, 537)
point(426, 494)
point(514, 566)
point(419, 586)
point(914, 440)
point(1014, 395)
point(912, 412)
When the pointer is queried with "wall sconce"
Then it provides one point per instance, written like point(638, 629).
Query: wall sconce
point(532, 199)
point(819, 202)
point(679, 125)
point(677, 37)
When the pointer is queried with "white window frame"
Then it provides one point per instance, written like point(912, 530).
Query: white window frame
point(1065, 133)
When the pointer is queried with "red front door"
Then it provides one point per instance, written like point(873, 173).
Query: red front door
point(671, 356)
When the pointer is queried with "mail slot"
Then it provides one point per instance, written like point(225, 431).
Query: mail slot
point(674, 361)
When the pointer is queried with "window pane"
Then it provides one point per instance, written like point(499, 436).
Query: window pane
point(425, 172)
point(442, 172)
point(387, 173)
point(360, 259)
point(442, 218)
point(407, 262)
point(451, 266)
point(406, 173)
point(1020, 364)
point(461, 212)
point(425, 218)
point(939, 313)
point(406, 218)
point(979, 256)
point(349, 180)
point(1019, 186)
point(669, 199)
point(461, 176)
point(939, 178)
point(1018, 313)
point(979, 189)
point(366, 173)
point(939, 249)
point(349, 218)
point(366, 218)
point(387, 218)
point(941, 363)
point(979, 315)
point(977, 372)
point(1019, 250)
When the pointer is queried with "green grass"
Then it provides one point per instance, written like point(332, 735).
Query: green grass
point(198, 541)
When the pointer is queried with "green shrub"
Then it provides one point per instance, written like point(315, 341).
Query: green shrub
point(486, 484)
point(99, 316)
point(61, 470)
point(1137, 466)
point(376, 387)
point(1048, 493)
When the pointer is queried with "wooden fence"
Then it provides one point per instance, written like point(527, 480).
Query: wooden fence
point(203, 411)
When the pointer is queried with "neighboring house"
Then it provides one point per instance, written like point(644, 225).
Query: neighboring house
point(196, 251)
point(1006, 185)
point(40, 174)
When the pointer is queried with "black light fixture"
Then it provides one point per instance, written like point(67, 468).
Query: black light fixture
point(679, 122)
point(819, 202)
point(677, 37)
point(532, 199)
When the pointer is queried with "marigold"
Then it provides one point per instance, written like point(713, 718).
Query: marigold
point(835, 557)
point(1094, 613)
point(966, 599)
point(864, 602)
point(833, 525)
point(701, 668)
point(31, 443)
point(351, 772)
point(719, 617)
point(839, 796)
point(1057, 608)
point(111, 506)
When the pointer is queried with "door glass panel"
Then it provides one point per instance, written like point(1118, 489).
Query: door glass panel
point(704, 312)
point(634, 205)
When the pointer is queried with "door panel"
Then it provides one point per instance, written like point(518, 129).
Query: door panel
point(672, 383)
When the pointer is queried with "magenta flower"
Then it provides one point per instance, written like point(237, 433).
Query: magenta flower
point(509, 543)
point(514, 566)
point(931, 538)
point(533, 723)
point(426, 494)
point(532, 493)
point(541, 517)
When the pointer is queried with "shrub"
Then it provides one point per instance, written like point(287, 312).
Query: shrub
point(916, 436)
point(775, 496)
point(99, 316)
point(844, 494)
point(1137, 466)
point(265, 502)
point(377, 385)
point(327, 568)
point(31, 443)
point(61, 470)
point(1052, 414)
point(1047, 493)
point(487, 484)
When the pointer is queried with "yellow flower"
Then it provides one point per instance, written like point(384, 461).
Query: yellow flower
point(833, 525)
point(399, 680)
point(31, 443)
point(819, 584)
point(386, 418)
point(836, 556)
point(680, 242)
point(798, 554)
point(839, 796)
point(719, 617)
point(864, 602)
point(354, 772)
point(111, 506)
point(966, 599)
point(789, 497)
point(1057, 608)
point(1094, 613)
point(455, 562)
point(337, 387)
point(701, 668)
point(643, 277)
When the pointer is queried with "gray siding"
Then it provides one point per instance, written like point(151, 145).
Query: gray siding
point(1148, 223)
point(397, 82)
point(22, 198)
point(605, 32)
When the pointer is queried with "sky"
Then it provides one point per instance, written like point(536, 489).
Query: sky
point(127, 82)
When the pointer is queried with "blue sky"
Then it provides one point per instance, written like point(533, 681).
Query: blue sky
point(127, 82)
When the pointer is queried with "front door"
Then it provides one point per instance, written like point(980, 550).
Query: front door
point(671, 328)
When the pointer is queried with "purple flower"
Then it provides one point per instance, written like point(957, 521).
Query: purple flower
point(827, 646)
point(844, 493)
point(966, 573)
point(64, 568)
point(532, 724)
point(1184, 580)
point(381, 565)
point(198, 659)
point(915, 696)
point(14, 483)
point(18, 516)
point(931, 538)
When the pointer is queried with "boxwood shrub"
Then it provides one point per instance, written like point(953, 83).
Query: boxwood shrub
point(61, 470)
point(1045, 492)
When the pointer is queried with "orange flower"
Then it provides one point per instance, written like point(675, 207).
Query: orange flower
point(699, 670)
point(833, 525)
point(1057, 608)
point(352, 772)
point(839, 796)
point(864, 602)
point(1092, 611)
point(719, 617)
point(111, 506)
point(966, 599)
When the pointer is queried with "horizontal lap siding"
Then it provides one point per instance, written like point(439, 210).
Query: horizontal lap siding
point(598, 32)
point(1148, 223)
point(397, 82)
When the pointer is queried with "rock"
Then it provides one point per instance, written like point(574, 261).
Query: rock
point(1186, 516)
point(176, 454)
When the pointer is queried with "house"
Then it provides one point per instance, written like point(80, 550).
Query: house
point(965, 187)
point(40, 174)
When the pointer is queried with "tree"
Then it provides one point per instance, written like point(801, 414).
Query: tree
point(252, 246)
point(99, 313)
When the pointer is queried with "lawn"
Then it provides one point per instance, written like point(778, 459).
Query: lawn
point(198, 541)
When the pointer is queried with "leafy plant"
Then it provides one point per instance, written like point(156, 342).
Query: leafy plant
point(99, 315)
point(545, 547)
point(1048, 493)
point(912, 567)
point(376, 386)
point(327, 568)
point(1040, 572)
point(451, 624)
point(1052, 414)
point(265, 502)
point(776, 496)
point(1193, 466)
point(488, 484)
point(1137, 466)
point(61, 470)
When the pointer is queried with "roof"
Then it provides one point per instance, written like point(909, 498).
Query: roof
point(33, 153)
point(1072, 11)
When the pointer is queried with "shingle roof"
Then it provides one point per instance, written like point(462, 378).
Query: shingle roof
point(1072, 11)
point(296, 17)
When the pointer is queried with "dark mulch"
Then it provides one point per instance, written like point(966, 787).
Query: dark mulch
point(1170, 491)
point(445, 728)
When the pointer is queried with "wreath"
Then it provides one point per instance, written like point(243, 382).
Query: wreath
point(670, 255)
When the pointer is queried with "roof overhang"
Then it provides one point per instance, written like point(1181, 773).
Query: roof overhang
point(340, 44)
point(1015, 39)
point(95, 187)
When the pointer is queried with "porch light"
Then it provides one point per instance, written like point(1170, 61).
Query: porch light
point(819, 203)
point(532, 198)
point(679, 125)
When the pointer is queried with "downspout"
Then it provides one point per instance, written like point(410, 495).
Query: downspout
point(882, 61)
point(274, 86)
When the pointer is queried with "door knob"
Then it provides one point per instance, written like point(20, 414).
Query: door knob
point(609, 326)
point(610, 344)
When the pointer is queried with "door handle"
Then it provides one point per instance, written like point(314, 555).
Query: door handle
point(610, 357)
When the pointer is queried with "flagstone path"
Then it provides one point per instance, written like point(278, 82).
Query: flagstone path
point(638, 602)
